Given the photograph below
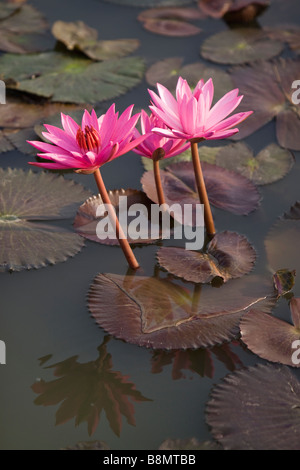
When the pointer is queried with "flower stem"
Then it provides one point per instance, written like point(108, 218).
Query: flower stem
point(159, 188)
point(115, 222)
point(208, 218)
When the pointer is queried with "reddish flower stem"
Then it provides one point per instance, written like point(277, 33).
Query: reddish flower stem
point(115, 222)
point(208, 218)
point(159, 188)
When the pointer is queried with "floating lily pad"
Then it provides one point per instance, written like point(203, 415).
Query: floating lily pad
point(228, 256)
point(6, 9)
point(81, 37)
point(24, 31)
point(86, 389)
point(239, 46)
point(87, 222)
point(171, 21)
point(289, 34)
point(241, 11)
point(271, 338)
point(26, 197)
point(161, 314)
point(70, 78)
point(268, 102)
point(243, 416)
point(226, 189)
point(284, 281)
point(167, 72)
point(282, 241)
point(188, 444)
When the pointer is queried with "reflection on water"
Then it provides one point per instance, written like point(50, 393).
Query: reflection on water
point(84, 390)
point(199, 361)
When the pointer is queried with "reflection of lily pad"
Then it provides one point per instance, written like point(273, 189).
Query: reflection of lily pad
point(256, 409)
point(24, 30)
point(226, 189)
point(239, 46)
point(171, 21)
point(167, 72)
point(228, 256)
point(283, 240)
point(28, 197)
point(86, 221)
point(158, 313)
point(86, 389)
point(79, 36)
point(267, 102)
point(271, 338)
point(69, 78)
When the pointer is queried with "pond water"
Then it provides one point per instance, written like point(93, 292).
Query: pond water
point(44, 313)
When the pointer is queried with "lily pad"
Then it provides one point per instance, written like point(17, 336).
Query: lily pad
point(85, 389)
point(239, 46)
point(160, 314)
point(226, 189)
point(5, 143)
point(282, 241)
point(171, 21)
point(168, 71)
point(268, 102)
point(284, 281)
point(81, 37)
point(86, 222)
point(271, 338)
point(241, 11)
point(228, 256)
point(207, 154)
point(243, 416)
point(25, 198)
point(25, 30)
point(70, 78)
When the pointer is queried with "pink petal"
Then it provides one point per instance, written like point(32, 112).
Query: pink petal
point(168, 98)
point(182, 89)
point(163, 132)
point(60, 138)
point(222, 134)
point(70, 126)
point(166, 118)
point(232, 121)
point(223, 108)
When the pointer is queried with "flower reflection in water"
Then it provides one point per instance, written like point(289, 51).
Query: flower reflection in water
point(85, 389)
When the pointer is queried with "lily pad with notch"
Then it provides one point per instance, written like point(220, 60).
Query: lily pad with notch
point(69, 78)
point(271, 338)
point(228, 256)
point(26, 199)
point(162, 314)
point(242, 416)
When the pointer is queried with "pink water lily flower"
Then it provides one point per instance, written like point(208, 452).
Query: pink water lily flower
point(190, 116)
point(87, 147)
point(169, 147)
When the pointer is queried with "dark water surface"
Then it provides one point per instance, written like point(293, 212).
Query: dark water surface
point(45, 312)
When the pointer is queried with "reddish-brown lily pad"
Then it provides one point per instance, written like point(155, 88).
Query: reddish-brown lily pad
point(274, 100)
point(97, 227)
point(171, 21)
point(282, 241)
point(226, 189)
point(271, 338)
point(228, 256)
point(239, 46)
point(84, 390)
point(168, 71)
point(160, 314)
point(25, 198)
point(256, 409)
point(81, 37)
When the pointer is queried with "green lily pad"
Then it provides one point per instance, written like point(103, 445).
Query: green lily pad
point(79, 36)
point(25, 199)
point(68, 78)
point(239, 46)
point(160, 314)
point(275, 100)
point(271, 338)
point(25, 30)
point(243, 416)
point(282, 241)
point(84, 390)
point(168, 71)
point(228, 256)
